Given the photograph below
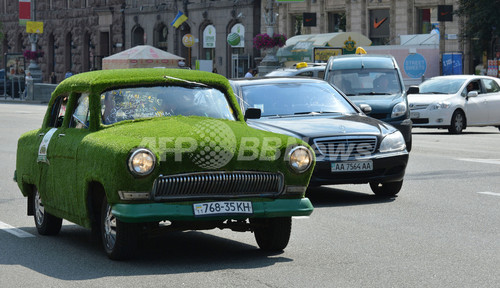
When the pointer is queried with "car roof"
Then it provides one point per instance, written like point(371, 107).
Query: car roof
point(465, 76)
point(97, 81)
point(293, 71)
point(353, 61)
point(277, 79)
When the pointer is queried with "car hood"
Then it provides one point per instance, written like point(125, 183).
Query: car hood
point(306, 127)
point(379, 103)
point(193, 144)
point(427, 98)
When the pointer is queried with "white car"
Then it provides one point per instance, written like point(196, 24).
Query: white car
point(455, 102)
point(315, 70)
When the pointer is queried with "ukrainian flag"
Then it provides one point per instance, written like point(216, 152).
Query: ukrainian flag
point(179, 19)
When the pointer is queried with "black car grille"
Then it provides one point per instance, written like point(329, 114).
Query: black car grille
point(346, 145)
point(218, 185)
point(420, 120)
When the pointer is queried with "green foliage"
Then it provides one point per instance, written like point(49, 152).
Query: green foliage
point(482, 21)
point(99, 154)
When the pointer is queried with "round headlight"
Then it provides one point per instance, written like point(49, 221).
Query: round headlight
point(393, 142)
point(300, 158)
point(141, 162)
point(398, 110)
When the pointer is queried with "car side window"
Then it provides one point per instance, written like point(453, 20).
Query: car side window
point(490, 86)
point(80, 117)
point(472, 86)
point(57, 112)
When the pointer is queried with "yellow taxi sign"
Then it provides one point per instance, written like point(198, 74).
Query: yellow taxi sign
point(301, 65)
point(360, 50)
point(34, 27)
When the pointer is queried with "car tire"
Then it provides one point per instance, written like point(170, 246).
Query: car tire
point(46, 223)
point(119, 239)
point(272, 234)
point(387, 189)
point(457, 124)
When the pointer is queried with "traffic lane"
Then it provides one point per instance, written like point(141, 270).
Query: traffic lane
point(16, 119)
point(74, 243)
point(441, 218)
point(480, 142)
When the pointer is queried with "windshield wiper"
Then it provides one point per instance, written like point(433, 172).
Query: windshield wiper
point(189, 83)
point(378, 93)
point(314, 112)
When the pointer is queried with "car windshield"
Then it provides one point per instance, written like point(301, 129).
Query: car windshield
point(354, 82)
point(441, 86)
point(295, 98)
point(163, 101)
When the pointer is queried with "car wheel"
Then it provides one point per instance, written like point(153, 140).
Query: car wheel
point(46, 223)
point(118, 238)
point(388, 189)
point(272, 234)
point(457, 122)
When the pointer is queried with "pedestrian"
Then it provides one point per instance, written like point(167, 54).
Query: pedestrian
point(68, 74)
point(255, 72)
point(214, 70)
point(249, 73)
point(53, 78)
point(28, 81)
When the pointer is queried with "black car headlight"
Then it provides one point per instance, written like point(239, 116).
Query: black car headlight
point(300, 159)
point(141, 162)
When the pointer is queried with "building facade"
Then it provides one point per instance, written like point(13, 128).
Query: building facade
point(383, 21)
point(77, 34)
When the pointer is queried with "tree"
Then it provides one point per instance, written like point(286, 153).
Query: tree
point(482, 22)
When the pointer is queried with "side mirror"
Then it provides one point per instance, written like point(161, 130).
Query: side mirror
point(472, 94)
point(413, 90)
point(252, 113)
point(365, 108)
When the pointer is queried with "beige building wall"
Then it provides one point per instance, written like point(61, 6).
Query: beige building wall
point(403, 17)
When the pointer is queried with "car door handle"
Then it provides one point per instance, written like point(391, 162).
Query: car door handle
point(41, 134)
point(61, 135)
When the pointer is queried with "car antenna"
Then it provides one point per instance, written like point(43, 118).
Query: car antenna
point(185, 81)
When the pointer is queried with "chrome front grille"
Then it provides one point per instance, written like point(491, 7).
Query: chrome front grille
point(345, 146)
point(218, 185)
point(418, 106)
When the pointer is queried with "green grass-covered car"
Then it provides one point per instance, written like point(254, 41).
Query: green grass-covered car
point(126, 152)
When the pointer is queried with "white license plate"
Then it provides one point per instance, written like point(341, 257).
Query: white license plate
point(222, 208)
point(414, 115)
point(353, 166)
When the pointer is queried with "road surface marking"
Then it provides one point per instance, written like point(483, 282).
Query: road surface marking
point(486, 161)
point(489, 193)
point(14, 231)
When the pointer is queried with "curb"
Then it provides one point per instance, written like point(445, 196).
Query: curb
point(9, 100)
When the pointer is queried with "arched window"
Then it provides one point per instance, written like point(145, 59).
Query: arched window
point(19, 43)
point(68, 54)
point(51, 55)
point(137, 36)
point(161, 36)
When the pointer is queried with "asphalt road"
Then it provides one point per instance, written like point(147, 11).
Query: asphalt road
point(441, 231)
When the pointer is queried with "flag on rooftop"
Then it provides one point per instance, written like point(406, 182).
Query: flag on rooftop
point(179, 19)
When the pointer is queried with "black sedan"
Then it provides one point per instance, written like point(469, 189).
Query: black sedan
point(351, 148)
